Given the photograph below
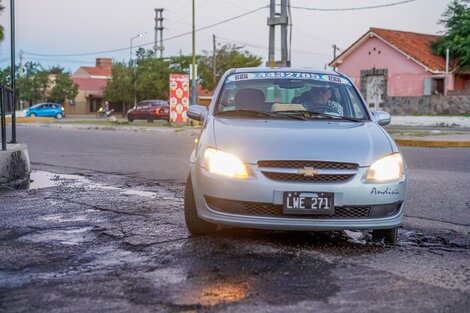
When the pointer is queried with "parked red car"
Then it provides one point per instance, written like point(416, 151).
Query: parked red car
point(149, 110)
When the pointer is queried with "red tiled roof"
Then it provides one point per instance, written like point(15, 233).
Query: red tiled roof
point(415, 45)
point(94, 86)
point(200, 91)
point(96, 71)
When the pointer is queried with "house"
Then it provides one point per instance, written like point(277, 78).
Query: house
point(389, 63)
point(91, 81)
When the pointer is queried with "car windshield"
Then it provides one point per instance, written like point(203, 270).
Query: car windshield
point(288, 94)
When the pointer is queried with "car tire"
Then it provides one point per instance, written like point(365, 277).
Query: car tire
point(150, 119)
point(59, 116)
point(195, 224)
point(389, 236)
point(130, 119)
point(32, 115)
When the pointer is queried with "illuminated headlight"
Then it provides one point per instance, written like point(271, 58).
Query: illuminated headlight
point(223, 163)
point(387, 168)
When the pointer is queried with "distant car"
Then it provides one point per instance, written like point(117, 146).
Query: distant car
point(149, 110)
point(46, 109)
point(293, 149)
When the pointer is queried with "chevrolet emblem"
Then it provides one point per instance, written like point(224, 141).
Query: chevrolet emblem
point(308, 171)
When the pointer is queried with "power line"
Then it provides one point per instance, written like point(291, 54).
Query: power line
point(228, 40)
point(354, 9)
point(150, 43)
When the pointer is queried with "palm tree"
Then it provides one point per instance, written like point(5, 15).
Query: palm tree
point(2, 36)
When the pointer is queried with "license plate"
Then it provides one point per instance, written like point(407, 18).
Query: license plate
point(309, 203)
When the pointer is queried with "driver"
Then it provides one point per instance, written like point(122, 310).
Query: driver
point(320, 99)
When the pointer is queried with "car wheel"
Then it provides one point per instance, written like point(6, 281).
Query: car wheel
point(194, 223)
point(130, 119)
point(389, 236)
point(150, 119)
point(33, 115)
point(59, 116)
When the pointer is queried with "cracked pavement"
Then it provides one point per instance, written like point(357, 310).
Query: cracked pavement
point(98, 242)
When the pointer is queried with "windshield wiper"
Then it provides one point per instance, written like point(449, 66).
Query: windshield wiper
point(260, 113)
point(310, 114)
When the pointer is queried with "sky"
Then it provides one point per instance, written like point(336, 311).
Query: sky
point(69, 33)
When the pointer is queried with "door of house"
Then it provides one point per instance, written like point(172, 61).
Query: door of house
point(375, 91)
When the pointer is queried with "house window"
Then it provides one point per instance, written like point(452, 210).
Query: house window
point(439, 86)
point(433, 86)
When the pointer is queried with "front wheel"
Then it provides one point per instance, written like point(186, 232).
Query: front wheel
point(32, 115)
point(195, 224)
point(389, 236)
point(59, 116)
point(150, 119)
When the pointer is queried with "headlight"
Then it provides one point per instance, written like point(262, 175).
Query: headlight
point(223, 163)
point(387, 168)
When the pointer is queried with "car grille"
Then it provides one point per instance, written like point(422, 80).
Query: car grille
point(284, 170)
point(314, 164)
point(273, 210)
point(301, 178)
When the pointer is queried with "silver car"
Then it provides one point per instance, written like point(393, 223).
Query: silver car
point(293, 149)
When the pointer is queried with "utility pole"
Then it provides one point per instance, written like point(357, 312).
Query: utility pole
point(214, 60)
point(447, 72)
point(281, 19)
point(21, 63)
point(158, 44)
point(335, 48)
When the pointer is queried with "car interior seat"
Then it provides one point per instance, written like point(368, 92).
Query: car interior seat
point(304, 97)
point(250, 99)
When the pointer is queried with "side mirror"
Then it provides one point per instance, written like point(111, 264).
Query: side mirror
point(382, 118)
point(197, 112)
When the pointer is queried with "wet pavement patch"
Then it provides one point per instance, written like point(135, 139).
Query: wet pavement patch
point(93, 242)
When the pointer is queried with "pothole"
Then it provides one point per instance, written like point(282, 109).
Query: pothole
point(43, 179)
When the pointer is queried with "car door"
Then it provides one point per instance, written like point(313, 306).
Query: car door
point(42, 110)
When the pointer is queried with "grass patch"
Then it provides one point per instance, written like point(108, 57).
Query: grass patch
point(446, 115)
point(397, 133)
point(124, 123)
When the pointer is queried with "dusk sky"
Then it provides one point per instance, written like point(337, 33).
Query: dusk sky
point(71, 32)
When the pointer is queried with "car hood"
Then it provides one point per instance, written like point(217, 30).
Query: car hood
point(340, 141)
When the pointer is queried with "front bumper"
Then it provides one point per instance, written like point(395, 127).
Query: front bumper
point(259, 189)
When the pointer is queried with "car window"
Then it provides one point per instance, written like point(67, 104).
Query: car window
point(290, 91)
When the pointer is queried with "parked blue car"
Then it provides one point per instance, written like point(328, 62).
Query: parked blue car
point(46, 109)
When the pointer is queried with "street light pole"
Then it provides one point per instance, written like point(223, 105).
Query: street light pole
point(13, 70)
point(131, 65)
point(193, 72)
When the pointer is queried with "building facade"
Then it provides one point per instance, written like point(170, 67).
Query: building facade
point(388, 63)
point(91, 82)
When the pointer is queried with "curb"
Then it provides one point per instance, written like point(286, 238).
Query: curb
point(432, 144)
point(30, 119)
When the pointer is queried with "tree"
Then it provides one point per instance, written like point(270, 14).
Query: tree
point(456, 20)
point(152, 81)
point(119, 89)
point(5, 76)
point(2, 34)
point(63, 88)
point(227, 56)
point(33, 85)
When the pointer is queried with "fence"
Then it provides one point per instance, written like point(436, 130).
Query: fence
point(7, 106)
point(452, 104)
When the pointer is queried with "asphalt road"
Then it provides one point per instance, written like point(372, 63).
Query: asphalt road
point(110, 236)
point(157, 155)
point(439, 178)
